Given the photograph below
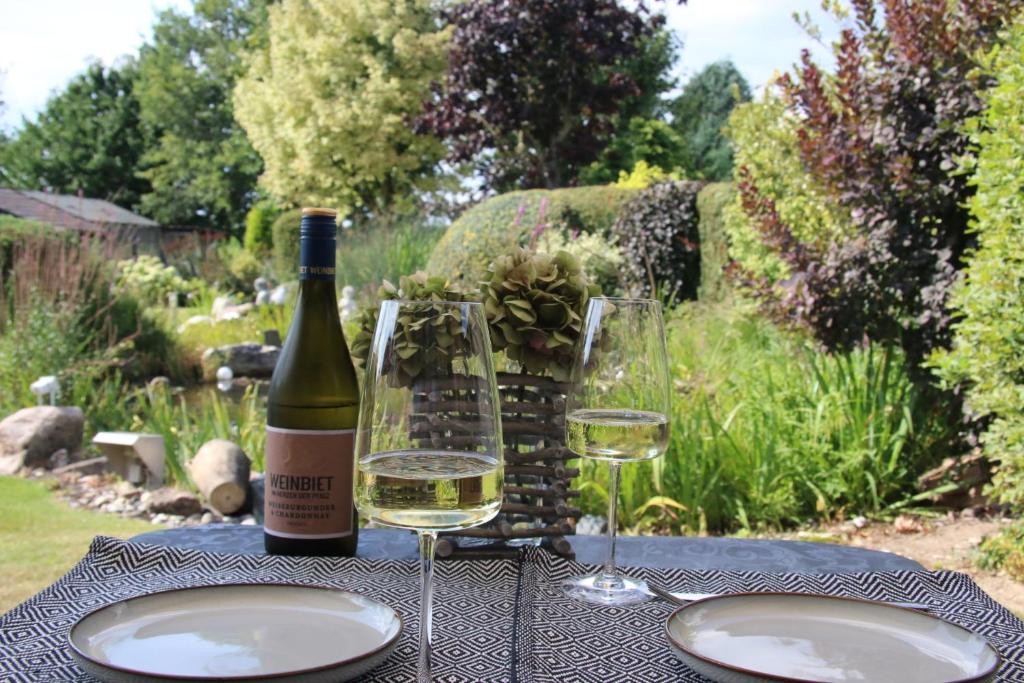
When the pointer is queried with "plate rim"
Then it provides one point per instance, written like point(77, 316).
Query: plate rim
point(234, 584)
point(786, 679)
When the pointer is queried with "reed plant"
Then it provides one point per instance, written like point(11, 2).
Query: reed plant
point(386, 250)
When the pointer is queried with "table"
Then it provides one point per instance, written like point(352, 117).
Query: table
point(671, 552)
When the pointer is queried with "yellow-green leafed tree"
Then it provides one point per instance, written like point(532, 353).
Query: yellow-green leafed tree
point(329, 103)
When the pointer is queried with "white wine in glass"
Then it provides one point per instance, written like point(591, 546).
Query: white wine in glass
point(617, 411)
point(428, 446)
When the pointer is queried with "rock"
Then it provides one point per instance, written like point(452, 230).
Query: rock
point(961, 481)
point(92, 481)
point(127, 490)
point(221, 471)
point(591, 525)
point(279, 295)
point(248, 520)
point(173, 502)
point(207, 518)
point(29, 437)
point(859, 522)
point(905, 524)
point(245, 360)
point(59, 459)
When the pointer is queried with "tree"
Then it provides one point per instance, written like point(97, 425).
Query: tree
point(702, 110)
point(202, 168)
point(328, 103)
point(87, 139)
point(881, 136)
point(535, 88)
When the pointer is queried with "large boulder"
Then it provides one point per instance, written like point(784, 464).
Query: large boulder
point(245, 360)
point(29, 437)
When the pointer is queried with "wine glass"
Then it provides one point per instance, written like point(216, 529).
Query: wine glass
point(428, 447)
point(617, 411)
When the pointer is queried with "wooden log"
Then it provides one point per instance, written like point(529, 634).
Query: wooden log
point(220, 470)
point(541, 454)
point(558, 529)
point(561, 510)
point(556, 489)
point(546, 384)
point(561, 546)
point(558, 471)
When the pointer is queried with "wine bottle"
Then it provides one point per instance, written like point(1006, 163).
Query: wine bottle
point(312, 409)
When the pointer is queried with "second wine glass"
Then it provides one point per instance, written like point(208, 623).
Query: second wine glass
point(428, 448)
point(618, 412)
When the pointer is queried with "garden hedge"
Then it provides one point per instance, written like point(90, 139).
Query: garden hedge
point(712, 203)
point(658, 236)
point(493, 227)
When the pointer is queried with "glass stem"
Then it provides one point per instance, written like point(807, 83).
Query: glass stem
point(427, 541)
point(608, 576)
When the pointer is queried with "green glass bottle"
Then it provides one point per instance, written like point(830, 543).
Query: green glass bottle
point(312, 408)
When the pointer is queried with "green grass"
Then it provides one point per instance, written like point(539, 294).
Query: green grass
point(41, 538)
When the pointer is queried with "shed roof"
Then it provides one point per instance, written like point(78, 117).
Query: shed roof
point(68, 210)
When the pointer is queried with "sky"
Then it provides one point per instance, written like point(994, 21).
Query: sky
point(44, 43)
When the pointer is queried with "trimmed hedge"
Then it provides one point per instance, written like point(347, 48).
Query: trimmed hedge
point(285, 232)
point(497, 225)
point(658, 235)
point(712, 203)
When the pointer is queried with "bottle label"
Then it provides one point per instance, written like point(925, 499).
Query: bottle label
point(316, 259)
point(308, 484)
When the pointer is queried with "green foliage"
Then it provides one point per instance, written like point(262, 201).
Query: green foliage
point(1004, 551)
point(987, 354)
point(88, 138)
point(643, 176)
point(657, 233)
point(201, 166)
point(535, 304)
point(243, 267)
point(700, 112)
point(644, 143)
point(416, 351)
point(259, 235)
point(712, 203)
point(14, 231)
point(499, 224)
point(882, 134)
point(148, 279)
point(764, 136)
point(328, 102)
point(385, 250)
point(599, 256)
point(285, 232)
point(768, 431)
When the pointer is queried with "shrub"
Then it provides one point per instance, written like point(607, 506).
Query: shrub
point(243, 267)
point(987, 354)
point(712, 203)
point(148, 279)
point(1004, 551)
point(599, 257)
point(657, 233)
point(767, 150)
point(259, 234)
point(770, 431)
point(285, 236)
point(499, 224)
point(882, 135)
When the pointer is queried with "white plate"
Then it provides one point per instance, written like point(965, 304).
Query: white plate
point(758, 637)
point(236, 632)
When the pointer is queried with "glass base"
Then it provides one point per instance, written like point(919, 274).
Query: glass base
point(601, 589)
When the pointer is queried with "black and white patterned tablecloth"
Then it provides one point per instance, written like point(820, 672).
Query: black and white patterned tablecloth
point(498, 620)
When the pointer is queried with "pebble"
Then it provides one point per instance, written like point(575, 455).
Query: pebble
point(207, 518)
point(248, 520)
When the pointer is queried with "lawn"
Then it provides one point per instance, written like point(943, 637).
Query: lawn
point(41, 538)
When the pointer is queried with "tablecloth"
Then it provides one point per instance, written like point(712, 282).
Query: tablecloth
point(495, 620)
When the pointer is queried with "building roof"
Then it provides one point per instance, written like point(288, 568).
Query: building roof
point(69, 211)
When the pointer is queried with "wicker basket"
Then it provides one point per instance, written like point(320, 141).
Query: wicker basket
point(538, 499)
